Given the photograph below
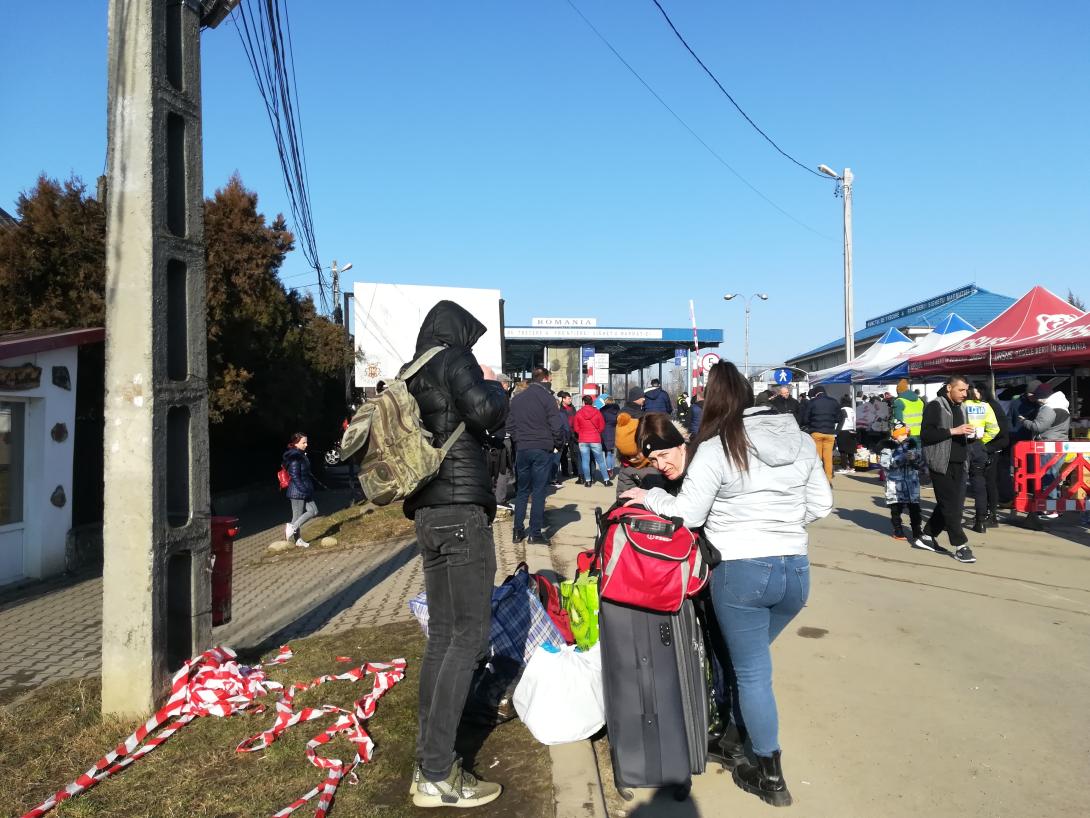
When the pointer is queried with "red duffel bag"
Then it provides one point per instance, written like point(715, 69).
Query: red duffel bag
point(647, 561)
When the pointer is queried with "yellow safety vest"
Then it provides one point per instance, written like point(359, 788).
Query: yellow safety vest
point(981, 415)
point(912, 414)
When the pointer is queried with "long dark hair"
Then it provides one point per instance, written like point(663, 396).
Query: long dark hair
point(727, 395)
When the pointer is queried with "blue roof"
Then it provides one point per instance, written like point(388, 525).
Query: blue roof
point(978, 306)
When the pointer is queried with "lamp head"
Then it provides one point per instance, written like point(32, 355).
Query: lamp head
point(346, 267)
point(729, 296)
point(828, 171)
point(763, 296)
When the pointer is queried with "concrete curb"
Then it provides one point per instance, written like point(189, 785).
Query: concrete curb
point(577, 786)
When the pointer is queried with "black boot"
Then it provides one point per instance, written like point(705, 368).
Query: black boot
point(992, 520)
point(728, 749)
point(765, 780)
point(979, 525)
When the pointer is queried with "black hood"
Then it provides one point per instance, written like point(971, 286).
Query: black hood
point(448, 324)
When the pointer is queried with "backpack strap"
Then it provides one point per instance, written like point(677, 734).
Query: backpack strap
point(446, 447)
point(415, 367)
point(418, 364)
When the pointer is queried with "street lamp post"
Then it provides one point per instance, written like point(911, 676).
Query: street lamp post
point(749, 301)
point(846, 180)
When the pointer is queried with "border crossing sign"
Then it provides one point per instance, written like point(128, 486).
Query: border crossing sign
point(783, 376)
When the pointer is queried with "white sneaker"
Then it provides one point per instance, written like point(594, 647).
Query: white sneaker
point(926, 542)
point(301, 543)
point(289, 531)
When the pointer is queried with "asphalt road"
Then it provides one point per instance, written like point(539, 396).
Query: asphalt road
point(913, 685)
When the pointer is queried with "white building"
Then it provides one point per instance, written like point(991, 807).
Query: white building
point(37, 442)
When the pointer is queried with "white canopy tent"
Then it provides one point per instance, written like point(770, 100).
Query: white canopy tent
point(891, 345)
point(949, 331)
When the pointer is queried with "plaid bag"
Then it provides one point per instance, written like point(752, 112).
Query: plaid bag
point(519, 622)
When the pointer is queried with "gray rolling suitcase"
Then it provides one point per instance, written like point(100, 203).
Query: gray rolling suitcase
point(656, 697)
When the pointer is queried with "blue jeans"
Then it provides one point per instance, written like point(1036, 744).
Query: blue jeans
point(754, 600)
point(532, 470)
point(459, 555)
point(585, 451)
point(609, 459)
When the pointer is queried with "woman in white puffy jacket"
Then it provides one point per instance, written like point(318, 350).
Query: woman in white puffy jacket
point(754, 483)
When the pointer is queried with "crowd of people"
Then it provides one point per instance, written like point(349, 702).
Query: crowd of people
point(749, 472)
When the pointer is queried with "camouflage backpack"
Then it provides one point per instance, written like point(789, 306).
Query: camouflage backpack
point(399, 457)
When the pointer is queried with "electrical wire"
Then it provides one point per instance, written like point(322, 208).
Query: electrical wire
point(264, 29)
point(687, 127)
point(726, 93)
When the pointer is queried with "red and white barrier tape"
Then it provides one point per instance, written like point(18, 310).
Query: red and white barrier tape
point(214, 684)
point(349, 724)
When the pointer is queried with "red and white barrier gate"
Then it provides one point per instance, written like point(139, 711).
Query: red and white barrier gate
point(1032, 459)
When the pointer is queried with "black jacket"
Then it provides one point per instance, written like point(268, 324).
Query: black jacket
point(535, 421)
point(821, 415)
point(786, 406)
point(450, 389)
point(609, 434)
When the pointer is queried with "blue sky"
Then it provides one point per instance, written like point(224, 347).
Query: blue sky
point(500, 144)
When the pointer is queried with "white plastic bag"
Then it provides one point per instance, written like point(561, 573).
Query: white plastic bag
point(559, 697)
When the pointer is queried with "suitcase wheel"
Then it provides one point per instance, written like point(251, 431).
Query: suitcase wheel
point(681, 791)
point(627, 795)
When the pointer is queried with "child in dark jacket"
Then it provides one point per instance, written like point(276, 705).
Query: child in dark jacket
point(900, 457)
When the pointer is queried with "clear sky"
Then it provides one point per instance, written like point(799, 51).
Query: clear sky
point(501, 144)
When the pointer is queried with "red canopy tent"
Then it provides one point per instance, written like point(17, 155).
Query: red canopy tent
point(1036, 313)
point(1064, 347)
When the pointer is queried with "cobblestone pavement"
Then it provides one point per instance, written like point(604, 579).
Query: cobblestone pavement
point(56, 633)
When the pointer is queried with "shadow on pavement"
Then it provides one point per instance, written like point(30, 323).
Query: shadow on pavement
point(557, 518)
point(865, 519)
point(319, 615)
point(664, 805)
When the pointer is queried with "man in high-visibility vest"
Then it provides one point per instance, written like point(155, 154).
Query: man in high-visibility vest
point(908, 408)
point(981, 416)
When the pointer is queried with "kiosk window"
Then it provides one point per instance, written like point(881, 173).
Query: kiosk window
point(12, 437)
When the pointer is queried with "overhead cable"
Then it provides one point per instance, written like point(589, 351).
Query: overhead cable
point(726, 93)
point(265, 32)
point(687, 127)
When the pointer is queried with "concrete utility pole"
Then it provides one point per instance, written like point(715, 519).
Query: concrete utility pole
point(156, 588)
point(846, 181)
point(340, 316)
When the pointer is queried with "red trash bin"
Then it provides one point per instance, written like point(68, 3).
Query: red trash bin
point(224, 531)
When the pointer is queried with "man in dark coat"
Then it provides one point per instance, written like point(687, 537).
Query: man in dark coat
point(453, 514)
point(538, 429)
point(783, 403)
point(657, 400)
point(820, 419)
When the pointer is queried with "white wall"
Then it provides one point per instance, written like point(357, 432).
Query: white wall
point(387, 318)
point(48, 463)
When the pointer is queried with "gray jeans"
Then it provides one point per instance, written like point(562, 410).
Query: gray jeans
point(301, 511)
point(459, 555)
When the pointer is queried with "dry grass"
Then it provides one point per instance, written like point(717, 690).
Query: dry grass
point(57, 732)
point(361, 525)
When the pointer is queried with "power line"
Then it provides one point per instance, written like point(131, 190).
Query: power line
point(265, 32)
point(687, 127)
point(726, 93)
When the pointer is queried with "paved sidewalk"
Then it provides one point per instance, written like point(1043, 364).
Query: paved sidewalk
point(57, 633)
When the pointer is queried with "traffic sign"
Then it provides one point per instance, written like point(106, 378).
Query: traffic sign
point(708, 360)
point(783, 376)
